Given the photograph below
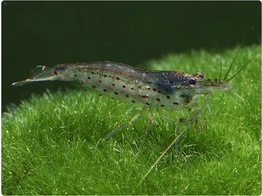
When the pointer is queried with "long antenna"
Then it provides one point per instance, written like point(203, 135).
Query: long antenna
point(243, 67)
point(235, 56)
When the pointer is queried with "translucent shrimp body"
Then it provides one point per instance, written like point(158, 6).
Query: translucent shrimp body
point(167, 89)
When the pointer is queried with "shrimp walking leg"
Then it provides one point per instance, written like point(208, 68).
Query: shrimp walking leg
point(121, 127)
point(191, 121)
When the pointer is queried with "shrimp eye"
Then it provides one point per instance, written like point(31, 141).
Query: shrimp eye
point(192, 81)
point(200, 75)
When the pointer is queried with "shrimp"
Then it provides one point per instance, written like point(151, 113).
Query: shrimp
point(173, 90)
point(168, 90)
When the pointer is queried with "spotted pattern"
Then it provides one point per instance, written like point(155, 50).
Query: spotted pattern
point(170, 93)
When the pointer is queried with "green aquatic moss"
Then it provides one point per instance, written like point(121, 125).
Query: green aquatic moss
point(52, 144)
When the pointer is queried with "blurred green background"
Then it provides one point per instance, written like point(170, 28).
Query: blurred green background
point(50, 33)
